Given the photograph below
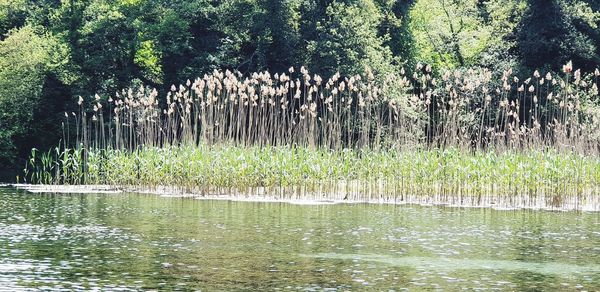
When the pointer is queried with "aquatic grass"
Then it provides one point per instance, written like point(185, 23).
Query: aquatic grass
point(350, 174)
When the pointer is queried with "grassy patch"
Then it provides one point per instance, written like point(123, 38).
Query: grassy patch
point(239, 169)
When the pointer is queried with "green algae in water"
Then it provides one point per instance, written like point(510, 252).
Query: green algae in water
point(140, 242)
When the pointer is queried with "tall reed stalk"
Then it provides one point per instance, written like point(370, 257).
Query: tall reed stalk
point(464, 109)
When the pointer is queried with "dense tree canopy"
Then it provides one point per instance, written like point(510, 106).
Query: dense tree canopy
point(30, 60)
point(560, 30)
point(53, 51)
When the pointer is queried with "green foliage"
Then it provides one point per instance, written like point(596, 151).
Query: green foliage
point(554, 32)
point(105, 47)
point(450, 33)
point(27, 57)
point(149, 59)
point(349, 40)
point(12, 14)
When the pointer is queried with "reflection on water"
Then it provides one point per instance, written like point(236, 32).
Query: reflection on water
point(133, 242)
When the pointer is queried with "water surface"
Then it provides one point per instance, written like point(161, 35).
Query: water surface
point(143, 242)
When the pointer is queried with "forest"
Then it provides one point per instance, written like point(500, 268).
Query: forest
point(54, 52)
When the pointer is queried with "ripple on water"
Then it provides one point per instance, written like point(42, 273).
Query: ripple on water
point(454, 264)
point(19, 272)
point(138, 242)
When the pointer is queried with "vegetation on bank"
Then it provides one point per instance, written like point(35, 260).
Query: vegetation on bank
point(51, 52)
point(467, 132)
point(346, 174)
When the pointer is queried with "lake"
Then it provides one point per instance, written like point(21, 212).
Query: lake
point(147, 242)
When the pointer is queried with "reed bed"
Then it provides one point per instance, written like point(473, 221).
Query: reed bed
point(455, 133)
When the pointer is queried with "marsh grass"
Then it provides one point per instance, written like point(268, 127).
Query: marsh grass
point(454, 133)
point(450, 175)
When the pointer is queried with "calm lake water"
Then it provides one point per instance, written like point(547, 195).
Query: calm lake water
point(140, 242)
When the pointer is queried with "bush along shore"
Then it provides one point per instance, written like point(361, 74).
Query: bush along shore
point(463, 137)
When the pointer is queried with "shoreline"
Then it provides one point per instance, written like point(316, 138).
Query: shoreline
point(495, 202)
